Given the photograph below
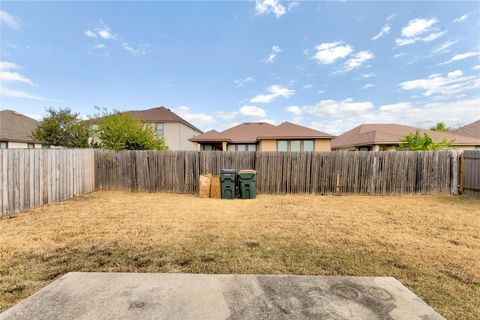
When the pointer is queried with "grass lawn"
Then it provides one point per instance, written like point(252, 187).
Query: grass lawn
point(430, 243)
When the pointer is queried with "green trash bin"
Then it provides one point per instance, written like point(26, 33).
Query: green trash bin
point(228, 183)
point(247, 180)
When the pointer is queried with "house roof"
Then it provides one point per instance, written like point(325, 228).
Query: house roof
point(470, 130)
point(251, 132)
point(371, 134)
point(159, 114)
point(16, 127)
point(288, 130)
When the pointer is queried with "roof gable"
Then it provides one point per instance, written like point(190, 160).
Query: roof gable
point(15, 126)
point(289, 130)
point(160, 114)
point(370, 134)
point(470, 130)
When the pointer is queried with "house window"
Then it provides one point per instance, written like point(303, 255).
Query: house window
point(159, 129)
point(295, 145)
point(45, 146)
point(363, 149)
point(308, 145)
point(242, 147)
point(207, 147)
point(282, 145)
point(31, 146)
point(3, 145)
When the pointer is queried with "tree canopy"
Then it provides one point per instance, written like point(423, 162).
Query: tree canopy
point(417, 142)
point(440, 127)
point(62, 128)
point(120, 131)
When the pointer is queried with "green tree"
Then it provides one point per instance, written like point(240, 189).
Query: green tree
point(62, 128)
point(120, 131)
point(440, 127)
point(417, 142)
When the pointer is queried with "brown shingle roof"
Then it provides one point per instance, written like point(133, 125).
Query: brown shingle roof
point(16, 127)
point(288, 130)
point(212, 135)
point(159, 114)
point(251, 132)
point(470, 130)
point(370, 134)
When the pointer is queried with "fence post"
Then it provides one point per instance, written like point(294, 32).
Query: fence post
point(462, 173)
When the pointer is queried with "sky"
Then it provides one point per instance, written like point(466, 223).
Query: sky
point(327, 65)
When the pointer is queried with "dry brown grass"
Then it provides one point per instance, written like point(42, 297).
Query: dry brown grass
point(431, 244)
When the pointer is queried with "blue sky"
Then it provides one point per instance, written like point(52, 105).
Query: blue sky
point(327, 65)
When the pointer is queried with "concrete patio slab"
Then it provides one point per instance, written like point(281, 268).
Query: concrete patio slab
point(206, 296)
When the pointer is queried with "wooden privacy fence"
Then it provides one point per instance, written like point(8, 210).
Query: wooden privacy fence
point(471, 173)
point(359, 172)
point(31, 178)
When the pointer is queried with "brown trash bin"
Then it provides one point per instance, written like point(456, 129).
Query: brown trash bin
point(205, 183)
point(215, 190)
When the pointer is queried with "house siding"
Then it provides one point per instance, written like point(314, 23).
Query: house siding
point(322, 145)
point(268, 145)
point(176, 136)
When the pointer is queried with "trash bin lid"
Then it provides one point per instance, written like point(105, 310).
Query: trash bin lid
point(247, 171)
point(228, 171)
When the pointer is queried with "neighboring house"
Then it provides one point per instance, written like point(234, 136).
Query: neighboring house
point(384, 137)
point(16, 131)
point(262, 136)
point(175, 130)
point(470, 130)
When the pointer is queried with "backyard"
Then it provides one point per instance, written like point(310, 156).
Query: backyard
point(429, 243)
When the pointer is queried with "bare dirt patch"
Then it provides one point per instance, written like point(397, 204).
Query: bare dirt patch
point(430, 243)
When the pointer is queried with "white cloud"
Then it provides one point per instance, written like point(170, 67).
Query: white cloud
point(477, 67)
point(295, 110)
point(5, 65)
point(8, 76)
point(308, 86)
point(90, 34)
point(444, 47)
point(436, 84)
point(384, 31)
point(462, 18)
point(357, 60)
point(201, 119)
point(275, 91)
point(270, 6)
point(21, 94)
point(105, 32)
point(328, 52)
point(100, 46)
point(462, 56)
point(368, 85)
point(415, 31)
point(9, 20)
point(252, 111)
point(453, 113)
point(455, 74)
point(368, 75)
point(337, 108)
point(417, 27)
point(242, 82)
point(273, 55)
point(432, 36)
point(140, 50)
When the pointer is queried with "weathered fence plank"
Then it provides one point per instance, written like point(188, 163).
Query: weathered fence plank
point(471, 173)
point(360, 172)
point(30, 178)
